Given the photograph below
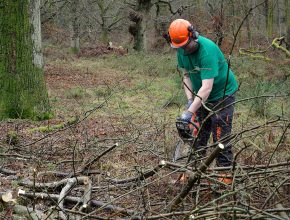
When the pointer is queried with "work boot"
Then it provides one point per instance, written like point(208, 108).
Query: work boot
point(184, 178)
point(219, 189)
point(225, 178)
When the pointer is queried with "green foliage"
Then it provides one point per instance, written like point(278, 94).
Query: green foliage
point(45, 116)
point(75, 93)
point(259, 78)
point(261, 106)
point(102, 91)
point(51, 166)
point(74, 50)
point(12, 138)
point(48, 128)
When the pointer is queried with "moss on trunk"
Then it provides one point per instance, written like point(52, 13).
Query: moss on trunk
point(23, 91)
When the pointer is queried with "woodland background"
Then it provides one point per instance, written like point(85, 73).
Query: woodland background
point(104, 150)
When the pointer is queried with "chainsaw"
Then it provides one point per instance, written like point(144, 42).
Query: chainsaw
point(187, 132)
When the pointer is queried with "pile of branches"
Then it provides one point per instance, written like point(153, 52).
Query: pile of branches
point(98, 50)
point(257, 191)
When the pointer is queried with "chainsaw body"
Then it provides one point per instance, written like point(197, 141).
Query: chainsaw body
point(187, 131)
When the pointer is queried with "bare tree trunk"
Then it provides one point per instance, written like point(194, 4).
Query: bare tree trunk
point(266, 12)
point(139, 29)
point(287, 18)
point(104, 27)
point(248, 21)
point(161, 23)
point(270, 18)
point(75, 27)
point(36, 35)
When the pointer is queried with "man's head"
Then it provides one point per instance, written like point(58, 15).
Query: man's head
point(182, 35)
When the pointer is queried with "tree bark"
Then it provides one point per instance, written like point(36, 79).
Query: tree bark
point(75, 27)
point(23, 91)
point(287, 18)
point(139, 29)
point(270, 18)
point(36, 33)
point(161, 23)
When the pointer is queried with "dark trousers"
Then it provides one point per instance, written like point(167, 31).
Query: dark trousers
point(219, 125)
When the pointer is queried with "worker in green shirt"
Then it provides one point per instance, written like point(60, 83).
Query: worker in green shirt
point(207, 74)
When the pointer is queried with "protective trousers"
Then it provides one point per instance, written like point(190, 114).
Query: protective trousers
point(219, 125)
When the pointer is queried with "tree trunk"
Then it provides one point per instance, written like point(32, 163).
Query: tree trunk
point(104, 17)
point(36, 35)
point(105, 35)
point(233, 15)
point(247, 6)
point(139, 29)
point(266, 12)
point(161, 24)
point(287, 18)
point(23, 92)
point(75, 32)
point(270, 18)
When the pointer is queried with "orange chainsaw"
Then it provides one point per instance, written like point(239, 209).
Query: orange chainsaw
point(187, 132)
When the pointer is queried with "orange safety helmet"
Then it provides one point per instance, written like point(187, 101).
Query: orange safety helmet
point(179, 32)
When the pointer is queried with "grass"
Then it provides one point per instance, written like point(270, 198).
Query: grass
point(75, 93)
point(146, 89)
point(142, 82)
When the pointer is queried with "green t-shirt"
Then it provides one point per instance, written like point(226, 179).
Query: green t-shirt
point(206, 63)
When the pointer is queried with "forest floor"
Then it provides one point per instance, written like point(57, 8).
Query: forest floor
point(99, 100)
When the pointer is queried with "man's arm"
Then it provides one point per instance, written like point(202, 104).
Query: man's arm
point(203, 93)
point(187, 82)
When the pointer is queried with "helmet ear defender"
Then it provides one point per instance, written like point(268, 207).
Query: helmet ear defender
point(191, 32)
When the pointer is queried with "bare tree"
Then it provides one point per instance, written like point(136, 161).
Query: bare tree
point(109, 16)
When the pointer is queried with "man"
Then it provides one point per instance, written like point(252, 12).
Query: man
point(207, 74)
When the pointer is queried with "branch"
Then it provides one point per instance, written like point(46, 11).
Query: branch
point(143, 176)
point(89, 163)
point(64, 192)
point(277, 45)
point(52, 184)
point(192, 179)
point(72, 199)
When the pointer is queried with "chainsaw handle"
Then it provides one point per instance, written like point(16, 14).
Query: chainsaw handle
point(194, 125)
point(188, 122)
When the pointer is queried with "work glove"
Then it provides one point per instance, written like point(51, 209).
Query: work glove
point(189, 102)
point(186, 116)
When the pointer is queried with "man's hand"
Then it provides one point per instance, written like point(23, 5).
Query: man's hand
point(189, 102)
point(186, 116)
